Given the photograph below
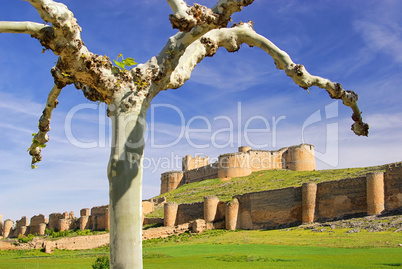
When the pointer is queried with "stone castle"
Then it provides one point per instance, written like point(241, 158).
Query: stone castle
point(239, 164)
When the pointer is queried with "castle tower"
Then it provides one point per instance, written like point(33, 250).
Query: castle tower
point(231, 214)
point(375, 193)
point(170, 214)
point(309, 195)
point(234, 165)
point(190, 163)
point(210, 207)
point(170, 180)
point(244, 149)
point(300, 158)
point(7, 228)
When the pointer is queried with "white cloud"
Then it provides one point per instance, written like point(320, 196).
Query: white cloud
point(381, 38)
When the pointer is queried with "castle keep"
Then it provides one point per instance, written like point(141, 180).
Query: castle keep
point(239, 164)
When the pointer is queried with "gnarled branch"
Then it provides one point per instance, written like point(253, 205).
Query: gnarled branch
point(41, 138)
point(233, 37)
point(185, 17)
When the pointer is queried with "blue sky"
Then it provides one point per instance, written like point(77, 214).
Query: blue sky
point(355, 43)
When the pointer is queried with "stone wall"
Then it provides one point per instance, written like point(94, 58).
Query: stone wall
point(54, 220)
point(266, 160)
point(393, 186)
point(147, 207)
point(36, 224)
point(270, 209)
point(341, 198)
point(189, 212)
point(99, 219)
point(190, 163)
point(21, 227)
point(205, 172)
point(96, 218)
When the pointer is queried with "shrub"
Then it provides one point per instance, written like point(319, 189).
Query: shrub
point(60, 234)
point(101, 262)
point(25, 239)
point(49, 231)
point(83, 232)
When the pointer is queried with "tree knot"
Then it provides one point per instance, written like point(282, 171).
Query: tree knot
point(337, 91)
point(210, 46)
point(349, 98)
point(193, 16)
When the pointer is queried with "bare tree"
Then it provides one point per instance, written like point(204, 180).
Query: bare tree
point(128, 93)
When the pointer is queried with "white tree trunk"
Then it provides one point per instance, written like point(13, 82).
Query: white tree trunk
point(125, 188)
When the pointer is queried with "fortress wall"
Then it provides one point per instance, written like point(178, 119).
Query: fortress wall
point(202, 173)
point(300, 158)
point(341, 198)
point(38, 219)
point(220, 212)
point(99, 210)
point(147, 207)
point(260, 160)
point(234, 165)
point(35, 225)
point(393, 186)
point(189, 212)
point(277, 158)
point(54, 220)
point(99, 219)
point(23, 222)
point(1, 225)
point(153, 221)
point(189, 163)
point(170, 180)
point(270, 209)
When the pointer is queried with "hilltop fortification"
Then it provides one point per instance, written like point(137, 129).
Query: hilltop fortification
point(239, 164)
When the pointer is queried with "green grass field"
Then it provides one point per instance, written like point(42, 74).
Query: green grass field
point(293, 248)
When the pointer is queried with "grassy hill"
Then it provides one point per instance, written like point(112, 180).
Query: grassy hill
point(257, 181)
